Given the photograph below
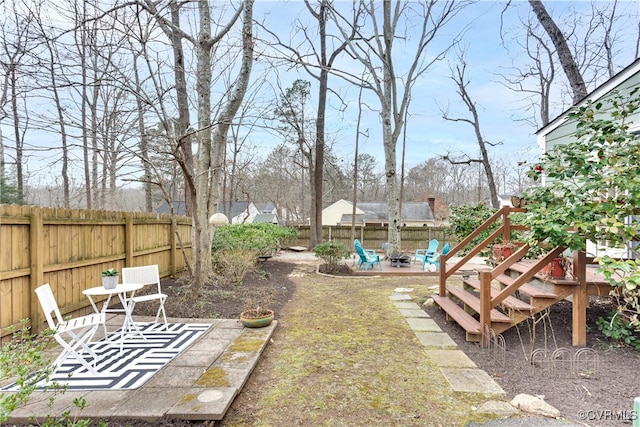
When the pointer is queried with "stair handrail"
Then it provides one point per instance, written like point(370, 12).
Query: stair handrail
point(504, 230)
point(487, 303)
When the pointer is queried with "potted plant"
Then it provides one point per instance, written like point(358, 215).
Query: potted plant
point(557, 268)
point(256, 314)
point(110, 278)
point(502, 251)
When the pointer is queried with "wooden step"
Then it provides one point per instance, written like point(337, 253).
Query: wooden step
point(473, 302)
point(528, 288)
point(457, 313)
point(523, 267)
point(509, 302)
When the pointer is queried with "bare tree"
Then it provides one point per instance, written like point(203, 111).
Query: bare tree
point(389, 84)
point(316, 55)
point(462, 82)
point(565, 55)
point(204, 177)
point(17, 40)
point(593, 37)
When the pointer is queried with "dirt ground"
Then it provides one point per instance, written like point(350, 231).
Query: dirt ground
point(591, 388)
point(590, 396)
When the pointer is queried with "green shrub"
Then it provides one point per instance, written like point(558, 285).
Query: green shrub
point(233, 264)
point(21, 361)
point(235, 248)
point(465, 219)
point(332, 253)
point(263, 238)
point(616, 328)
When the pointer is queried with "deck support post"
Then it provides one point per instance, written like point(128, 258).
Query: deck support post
point(485, 306)
point(443, 275)
point(580, 299)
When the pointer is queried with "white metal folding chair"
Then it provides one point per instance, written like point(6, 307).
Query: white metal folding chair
point(73, 334)
point(146, 275)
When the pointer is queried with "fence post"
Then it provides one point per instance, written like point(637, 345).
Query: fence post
point(128, 240)
point(173, 239)
point(36, 253)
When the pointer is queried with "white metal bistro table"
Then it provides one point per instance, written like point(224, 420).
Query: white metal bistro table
point(125, 293)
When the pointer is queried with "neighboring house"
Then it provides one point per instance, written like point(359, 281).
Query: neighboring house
point(376, 214)
point(332, 214)
point(266, 208)
point(562, 130)
point(178, 208)
point(270, 218)
point(240, 212)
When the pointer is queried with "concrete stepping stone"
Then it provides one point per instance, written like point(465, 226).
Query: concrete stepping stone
point(413, 313)
point(436, 340)
point(421, 324)
point(471, 381)
point(404, 305)
point(451, 359)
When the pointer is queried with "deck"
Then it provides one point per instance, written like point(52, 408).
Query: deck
point(411, 269)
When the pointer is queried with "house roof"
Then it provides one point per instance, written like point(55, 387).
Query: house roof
point(598, 93)
point(237, 207)
point(266, 217)
point(178, 208)
point(379, 211)
point(266, 207)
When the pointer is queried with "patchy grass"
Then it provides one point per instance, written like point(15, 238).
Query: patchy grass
point(345, 356)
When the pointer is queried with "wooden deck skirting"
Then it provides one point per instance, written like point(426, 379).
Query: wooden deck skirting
point(514, 275)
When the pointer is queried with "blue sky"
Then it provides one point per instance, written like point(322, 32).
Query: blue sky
point(428, 135)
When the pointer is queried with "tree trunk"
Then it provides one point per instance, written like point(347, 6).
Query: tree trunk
point(564, 53)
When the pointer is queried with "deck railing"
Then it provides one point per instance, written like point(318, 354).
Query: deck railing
point(488, 275)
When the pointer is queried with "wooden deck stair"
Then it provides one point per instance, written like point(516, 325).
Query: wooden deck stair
point(512, 290)
point(462, 303)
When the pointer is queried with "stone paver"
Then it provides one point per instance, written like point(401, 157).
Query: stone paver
point(439, 340)
point(199, 384)
point(400, 297)
point(460, 371)
point(406, 305)
point(413, 313)
point(420, 324)
point(471, 380)
point(451, 358)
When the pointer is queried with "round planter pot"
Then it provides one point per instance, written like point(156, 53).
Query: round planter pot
point(554, 269)
point(250, 321)
point(109, 282)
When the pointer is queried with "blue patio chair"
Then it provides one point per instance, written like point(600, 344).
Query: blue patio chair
point(435, 258)
point(366, 257)
point(371, 252)
point(422, 254)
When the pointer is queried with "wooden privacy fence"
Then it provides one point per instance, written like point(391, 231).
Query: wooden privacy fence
point(373, 237)
point(69, 249)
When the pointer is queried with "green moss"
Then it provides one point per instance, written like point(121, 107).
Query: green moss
point(189, 397)
point(214, 377)
point(246, 345)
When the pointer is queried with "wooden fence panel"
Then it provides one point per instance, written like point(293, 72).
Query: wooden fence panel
point(373, 237)
point(69, 249)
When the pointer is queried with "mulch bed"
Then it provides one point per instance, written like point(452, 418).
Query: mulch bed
point(588, 396)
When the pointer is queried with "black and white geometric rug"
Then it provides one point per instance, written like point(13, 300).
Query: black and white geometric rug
point(132, 367)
